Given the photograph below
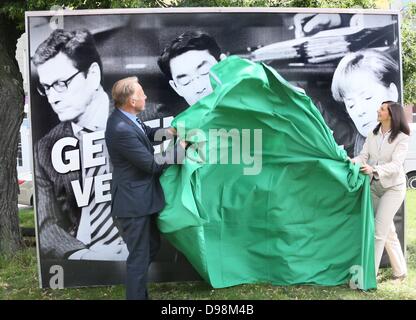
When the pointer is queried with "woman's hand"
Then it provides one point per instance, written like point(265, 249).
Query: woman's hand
point(352, 160)
point(367, 169)
point(311, 23)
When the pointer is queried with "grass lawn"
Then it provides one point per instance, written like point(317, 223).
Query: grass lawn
point(26, 218)
point(19, 280)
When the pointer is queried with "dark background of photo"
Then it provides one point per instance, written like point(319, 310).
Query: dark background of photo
point(129, 45)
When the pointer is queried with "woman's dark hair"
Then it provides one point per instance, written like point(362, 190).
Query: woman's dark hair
point(398, 120)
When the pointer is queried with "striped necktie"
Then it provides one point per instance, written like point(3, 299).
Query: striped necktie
point(96, 225)
point(142, 126)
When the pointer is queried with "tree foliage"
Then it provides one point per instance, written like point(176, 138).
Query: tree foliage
point(408, 32)
point(15, 9)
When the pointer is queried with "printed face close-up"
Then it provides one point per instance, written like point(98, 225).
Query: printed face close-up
point(190, 74)
point(68, 91)
point(363, 96)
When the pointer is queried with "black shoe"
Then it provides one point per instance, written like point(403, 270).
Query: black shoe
point(401, 278)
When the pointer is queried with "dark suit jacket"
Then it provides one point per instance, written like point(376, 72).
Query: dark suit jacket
point(135, 186)
point(57, 212)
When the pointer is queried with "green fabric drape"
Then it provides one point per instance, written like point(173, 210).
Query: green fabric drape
point(305, 218)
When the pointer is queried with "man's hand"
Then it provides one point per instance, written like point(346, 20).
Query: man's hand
point(183, 144)
point(172, 131)
point(366, 169)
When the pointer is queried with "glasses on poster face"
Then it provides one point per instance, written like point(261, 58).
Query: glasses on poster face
point(59, 86)
point(203, 70)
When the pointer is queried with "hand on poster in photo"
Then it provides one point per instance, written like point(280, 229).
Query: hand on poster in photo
point(327, 37)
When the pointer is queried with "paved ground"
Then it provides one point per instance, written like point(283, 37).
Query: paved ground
point(22, 206)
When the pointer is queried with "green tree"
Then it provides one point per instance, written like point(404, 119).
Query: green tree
point(11, 110)
point(408, 35)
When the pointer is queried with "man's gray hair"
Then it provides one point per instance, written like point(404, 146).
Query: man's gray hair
point(122, 90)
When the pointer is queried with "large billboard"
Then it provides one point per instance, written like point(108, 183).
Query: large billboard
point(336, 56)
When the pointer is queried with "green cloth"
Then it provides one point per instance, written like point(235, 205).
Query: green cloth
point(306, 218)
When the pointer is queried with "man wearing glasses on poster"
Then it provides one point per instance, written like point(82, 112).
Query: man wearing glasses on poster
point(70, 77)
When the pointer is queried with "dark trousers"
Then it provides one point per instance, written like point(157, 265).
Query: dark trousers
point(143, 241)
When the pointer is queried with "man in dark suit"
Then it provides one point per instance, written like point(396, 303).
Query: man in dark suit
point(70, 77)
point(137, 195)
